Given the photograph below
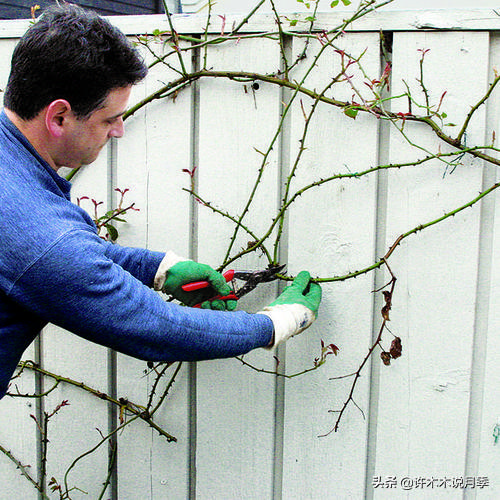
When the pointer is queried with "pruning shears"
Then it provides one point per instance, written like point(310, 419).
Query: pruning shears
point(251, 278)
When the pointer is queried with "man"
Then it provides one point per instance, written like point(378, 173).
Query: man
point(70, 81)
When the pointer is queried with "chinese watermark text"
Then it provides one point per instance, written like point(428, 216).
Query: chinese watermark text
point(431, 482)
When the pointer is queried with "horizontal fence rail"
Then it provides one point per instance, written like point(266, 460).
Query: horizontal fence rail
point(391, 213)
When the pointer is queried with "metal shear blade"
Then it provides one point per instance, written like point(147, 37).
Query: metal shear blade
point(254, 278)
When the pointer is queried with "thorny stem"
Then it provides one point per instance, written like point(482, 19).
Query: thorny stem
point(296, 88)
point(209, 15)
point(275, 372)
point(303, 53)
point(134, 409)
point(302, 141)
point(232, 219)
point(144, 42)
point(242, 76)
point(44, 428)
point(248, 16)
point(320, 182)
point(116, 214)
point(167, 389)
point(392, 283)
point(415, 230)
point(281, 40)
point(155, 386)
point(476, 107)
point(257, 180)
point(421, 82)
point(33, 395)
point(137, 411)
point(196, 44)
point(23, 469)
point(174, 37)
point(94, 448)
point(110, 469)
point(357, 374)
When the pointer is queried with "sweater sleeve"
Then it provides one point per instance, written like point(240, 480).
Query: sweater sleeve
point(75, 285)
point(139, 262)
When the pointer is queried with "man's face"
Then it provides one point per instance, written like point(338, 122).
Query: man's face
point(84, 139)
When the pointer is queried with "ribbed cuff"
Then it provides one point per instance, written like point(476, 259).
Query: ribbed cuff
point(288, 320)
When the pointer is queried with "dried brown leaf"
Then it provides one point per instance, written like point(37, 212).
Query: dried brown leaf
point(386, 358)
point(396, 348)
point(385, 312)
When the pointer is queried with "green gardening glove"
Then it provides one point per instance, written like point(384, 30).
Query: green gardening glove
point(295, 309)
point(174, 272)
point(301, 291)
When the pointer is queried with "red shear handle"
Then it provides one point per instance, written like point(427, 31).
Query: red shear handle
point(231, 296)
point(198, 285)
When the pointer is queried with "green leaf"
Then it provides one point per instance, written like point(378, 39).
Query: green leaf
point(351, 112)
point(294, 22)
point(113, 233)
point(336, 2)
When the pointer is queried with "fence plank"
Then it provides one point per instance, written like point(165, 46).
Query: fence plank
point(18, 436)
point(422, 424)
point(484, 417)
point(331, 232)
point(150, 160)
point(489, 439)
point(235, 404)
point(73, 431)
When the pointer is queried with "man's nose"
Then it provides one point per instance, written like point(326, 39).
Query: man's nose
point(118, 128)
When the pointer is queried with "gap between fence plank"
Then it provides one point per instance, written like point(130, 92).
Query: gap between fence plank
point(193, 254)
point(40, 409)
point(279, 398)
point(379, 280)
point(112, 361)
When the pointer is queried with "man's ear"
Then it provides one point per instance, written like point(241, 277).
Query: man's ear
point(57, 112)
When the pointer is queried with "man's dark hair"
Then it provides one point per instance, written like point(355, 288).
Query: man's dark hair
point(74, 54)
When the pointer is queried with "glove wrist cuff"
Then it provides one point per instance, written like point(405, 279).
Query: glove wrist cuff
point(168, 261)
point(288, 320)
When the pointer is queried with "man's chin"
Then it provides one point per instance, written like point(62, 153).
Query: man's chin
point(78, 165)
point(88, 161)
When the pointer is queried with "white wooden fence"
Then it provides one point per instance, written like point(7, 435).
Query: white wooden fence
point(424, 427)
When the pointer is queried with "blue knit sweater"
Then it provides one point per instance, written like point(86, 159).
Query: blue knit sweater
point(55, 268)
